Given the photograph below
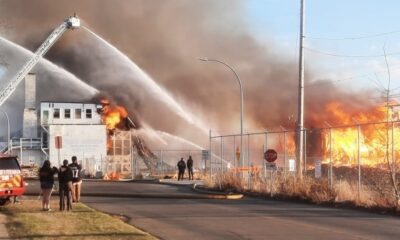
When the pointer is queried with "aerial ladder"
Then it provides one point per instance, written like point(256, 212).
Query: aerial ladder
point(72, 22)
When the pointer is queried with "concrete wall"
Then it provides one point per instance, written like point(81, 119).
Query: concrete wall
point(29, 157)
point(87, 142)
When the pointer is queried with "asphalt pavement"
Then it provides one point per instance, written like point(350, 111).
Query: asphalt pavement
point(138, 189)
point(247, 218)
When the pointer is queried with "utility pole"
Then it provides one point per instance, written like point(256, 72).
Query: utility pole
point(300, 118)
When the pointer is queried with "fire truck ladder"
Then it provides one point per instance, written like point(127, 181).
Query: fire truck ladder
point(69, 23)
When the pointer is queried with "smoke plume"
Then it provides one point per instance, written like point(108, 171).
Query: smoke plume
point(166, 38)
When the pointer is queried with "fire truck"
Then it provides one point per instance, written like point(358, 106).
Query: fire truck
point(12, 183)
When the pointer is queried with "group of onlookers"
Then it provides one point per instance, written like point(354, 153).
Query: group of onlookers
point(182, 167)
point(69, 182)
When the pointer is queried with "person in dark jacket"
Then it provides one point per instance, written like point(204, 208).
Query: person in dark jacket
point(46, 177)
point(76, 179)
point(189, 164)
point(181, 168)
point(65, 185)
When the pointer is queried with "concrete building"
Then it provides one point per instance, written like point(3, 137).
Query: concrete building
point(81, 132)
point(78, 125)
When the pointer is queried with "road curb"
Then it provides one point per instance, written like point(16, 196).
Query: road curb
point(232, 196)
point(210, 194)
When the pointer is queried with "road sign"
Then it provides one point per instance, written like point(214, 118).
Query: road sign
point(270, 155)
point(205, 154)
point(292, 165)
point(270, 165)
point(317, 169)
point(58, 142)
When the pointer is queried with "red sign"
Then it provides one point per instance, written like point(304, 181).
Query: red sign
point(58, 140)
point(270, 155)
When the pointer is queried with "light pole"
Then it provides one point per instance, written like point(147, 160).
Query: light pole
point(8, 129)
point(241, 102)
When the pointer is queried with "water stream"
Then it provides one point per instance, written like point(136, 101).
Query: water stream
point(150, 85)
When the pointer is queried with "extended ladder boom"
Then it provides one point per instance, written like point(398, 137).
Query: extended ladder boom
point(69, 23)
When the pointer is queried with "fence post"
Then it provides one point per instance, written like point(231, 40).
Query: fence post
point(222, 155)
point(305, 152)
point(210, 155)
point(162, 162)
point(359, 161)
point(284, 154)
point(330, 159)
point(234, 152)
point(248, 150)
point(393, 152)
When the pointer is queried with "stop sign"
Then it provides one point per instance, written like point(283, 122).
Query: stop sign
point(270, 155)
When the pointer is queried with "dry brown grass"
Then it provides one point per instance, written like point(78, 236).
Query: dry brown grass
point(308, 189)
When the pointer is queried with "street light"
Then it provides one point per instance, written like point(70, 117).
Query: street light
point(241, 102)
point(8, 129)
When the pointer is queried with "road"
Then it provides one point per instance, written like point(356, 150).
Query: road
point(137, 189)
point(247, 218)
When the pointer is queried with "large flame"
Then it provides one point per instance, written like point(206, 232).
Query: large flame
point(112, 115)
point(370, 143)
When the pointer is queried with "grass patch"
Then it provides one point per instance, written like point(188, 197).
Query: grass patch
point(27, 221)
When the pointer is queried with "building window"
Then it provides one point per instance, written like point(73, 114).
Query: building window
point(88, 113)
point(56, 113)
point(45, 116)
point(78, 113)
point(67, 113)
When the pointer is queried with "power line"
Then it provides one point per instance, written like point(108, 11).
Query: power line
point(318, 83)
point(349, 56)
point(356, 37)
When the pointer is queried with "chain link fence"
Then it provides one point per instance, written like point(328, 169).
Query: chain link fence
point(364, 156)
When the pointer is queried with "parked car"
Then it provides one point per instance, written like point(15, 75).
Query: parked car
point(11, 180)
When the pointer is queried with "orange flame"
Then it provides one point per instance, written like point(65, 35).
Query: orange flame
point(369, 143)
point(112, 115)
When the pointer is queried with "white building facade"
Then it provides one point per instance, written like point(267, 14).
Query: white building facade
point(81, 131)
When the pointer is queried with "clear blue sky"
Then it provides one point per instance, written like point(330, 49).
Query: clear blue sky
point(278, 20)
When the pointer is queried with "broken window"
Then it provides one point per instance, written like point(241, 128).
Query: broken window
point(56, 113)
point(88, 113)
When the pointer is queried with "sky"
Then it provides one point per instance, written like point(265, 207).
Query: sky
point(331, 28)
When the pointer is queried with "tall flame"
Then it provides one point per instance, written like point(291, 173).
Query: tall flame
point(112, 115)
point(370, 142)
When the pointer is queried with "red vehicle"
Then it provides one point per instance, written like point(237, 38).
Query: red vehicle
point(11, 180)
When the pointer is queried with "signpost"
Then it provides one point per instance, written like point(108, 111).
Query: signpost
point(317, 169)
point(204, 155)
point(270, 156)
point(58, 144)
point(292, 165)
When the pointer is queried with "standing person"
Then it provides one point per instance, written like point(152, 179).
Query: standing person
point(46, 178)
point(76, 179)
point(181, 168)
point(65, 185)
point(189, 164)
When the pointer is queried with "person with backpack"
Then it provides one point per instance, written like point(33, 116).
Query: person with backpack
point(189, 164)
point(181, 168)
point(65, 185)
point(76, 179)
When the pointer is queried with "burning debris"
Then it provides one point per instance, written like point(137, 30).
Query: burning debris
point(119, 126)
